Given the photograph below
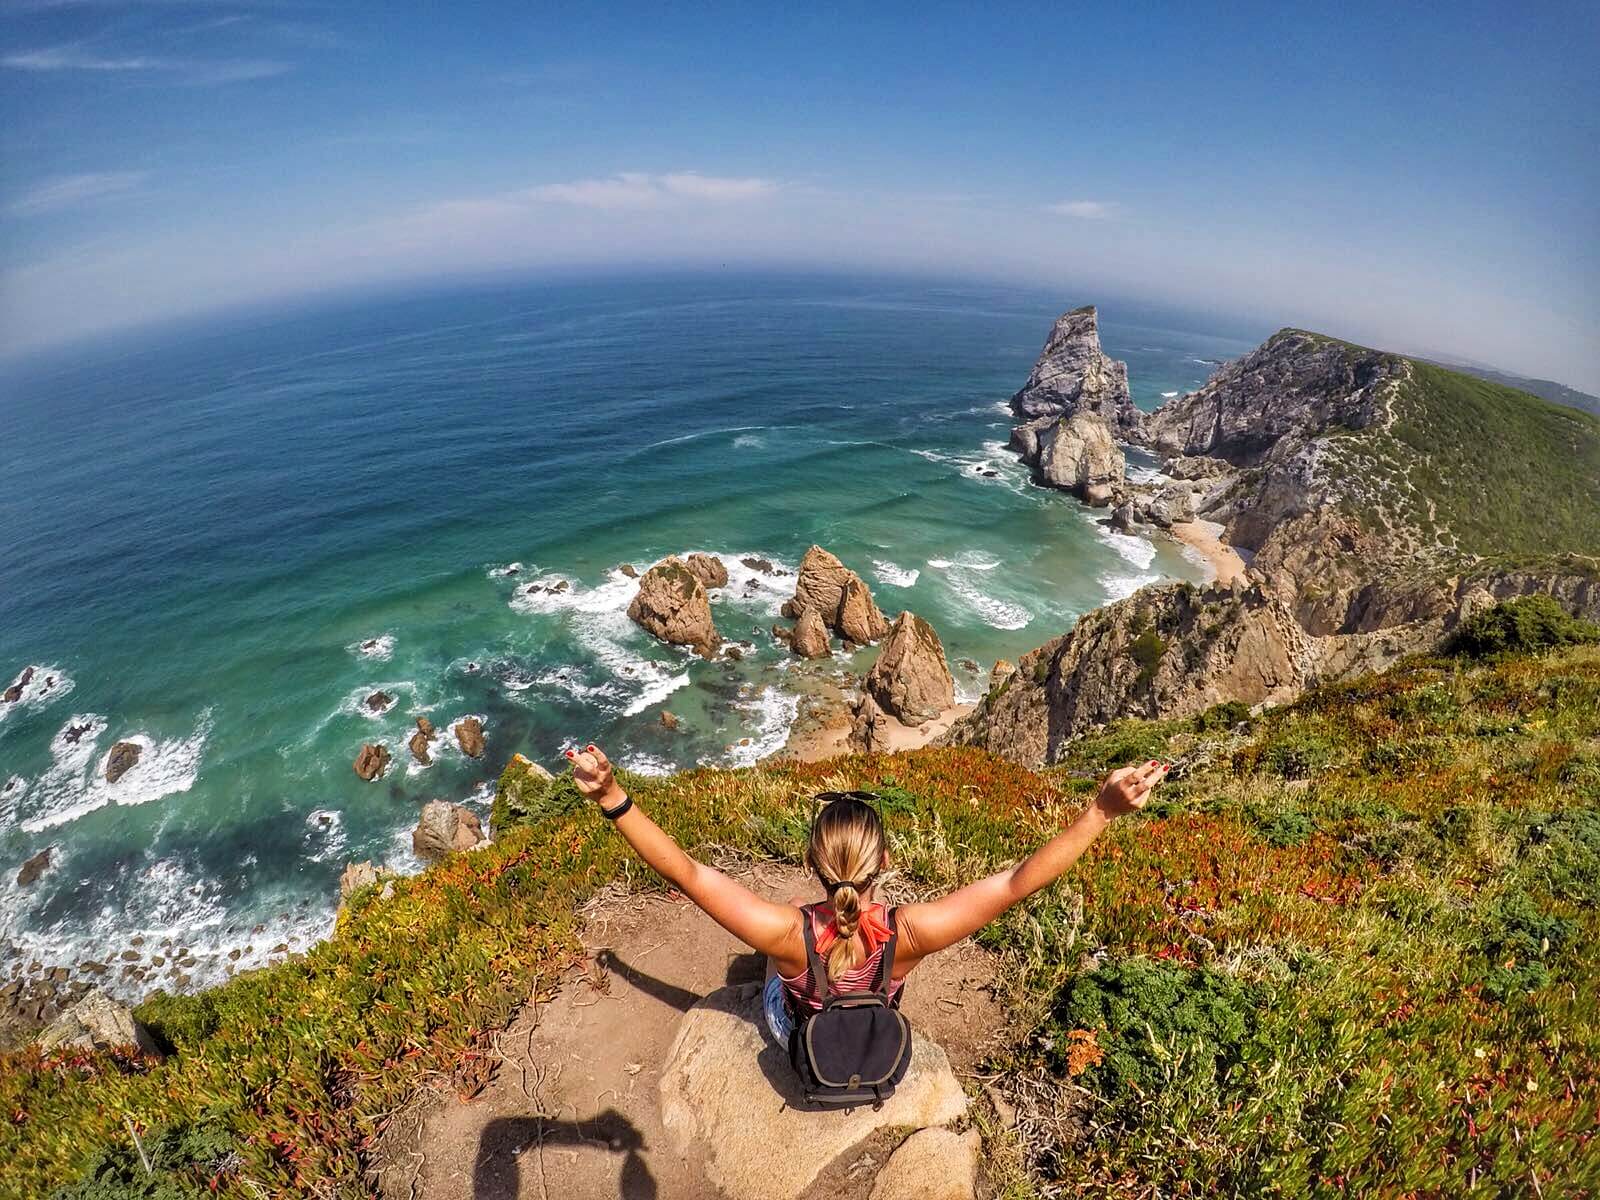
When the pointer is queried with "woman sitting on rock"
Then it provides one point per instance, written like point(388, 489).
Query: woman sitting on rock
point(847, 851)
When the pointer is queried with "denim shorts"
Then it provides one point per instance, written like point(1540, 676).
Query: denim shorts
point(779, 1023)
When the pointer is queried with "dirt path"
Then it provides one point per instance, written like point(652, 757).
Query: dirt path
point(573, 1112)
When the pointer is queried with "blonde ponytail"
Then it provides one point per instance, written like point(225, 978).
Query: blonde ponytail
point(846, 850)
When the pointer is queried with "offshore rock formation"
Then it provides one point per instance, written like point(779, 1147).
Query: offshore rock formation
point(911, 679)
point(469, 736)
point(810, 636)
point(1074, 407)
point(1344, 576)
point(708, 570)
point(839, 597)
point(123, 758)
point(1074, 375)
point(372, 762)
point(672, 605)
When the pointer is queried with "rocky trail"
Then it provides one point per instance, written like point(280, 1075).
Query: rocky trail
point(647, 1072)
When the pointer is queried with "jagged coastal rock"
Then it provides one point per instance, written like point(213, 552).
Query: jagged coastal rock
point(34, 867)
point(14, 692)
point(444, 828)
point(810, 636)
point(379, 701)
point(1074, 375)
point(672, 605)
point(911, 679)
point(838, 596)
point(708, 570)
point(1078, 454)
point(97, 1022)
point(469, 736)
point(372, 762)
point(123, 758)
point(869, 728)
point(358, 875)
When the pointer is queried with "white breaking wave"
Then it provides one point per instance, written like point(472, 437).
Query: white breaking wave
point(749, 441)
point(377, 648)
point(75, 783)
point(1134, 550)
point(45, 686)
point(325, 836)
point(895, 575)
point(1120, 587)
point(772, 713)
point(1168, 395)
point(511, 568)
point(648, 764)
point(992, 610)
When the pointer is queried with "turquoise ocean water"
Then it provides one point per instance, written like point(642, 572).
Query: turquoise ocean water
point(218, 541)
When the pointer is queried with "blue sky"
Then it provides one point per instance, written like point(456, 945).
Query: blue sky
point(1422, 177)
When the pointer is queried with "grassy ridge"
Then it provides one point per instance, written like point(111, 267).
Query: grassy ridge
point(1353, 949)
point(1484, 471)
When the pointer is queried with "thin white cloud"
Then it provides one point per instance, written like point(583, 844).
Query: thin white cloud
point(637, 189)
point(72, 58)
point(67, 190)
point(1084, 210)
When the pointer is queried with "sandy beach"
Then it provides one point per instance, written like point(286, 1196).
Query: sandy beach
point(828, 736)
point(1205, 538)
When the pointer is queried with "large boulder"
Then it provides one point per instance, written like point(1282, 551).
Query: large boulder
point(358, 875)
point(810, 638)
point(97, 1022)
point(869, 728)
point(419, 748)
point(911, 679)
point(372, 762)
point(839, 597)
point(730, 1098)
point(708, 570)
point(445, 828)
point(123, 758)
point(469, 736)
point(14, 692)
point(672, 605)
point(931, 1164)
point(1077, 453)
point(1172, 505)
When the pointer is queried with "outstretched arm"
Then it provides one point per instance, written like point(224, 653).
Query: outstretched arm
point(759, 923)
point(926, 928)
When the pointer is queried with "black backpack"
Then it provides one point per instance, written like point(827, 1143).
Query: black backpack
point(856, 1048)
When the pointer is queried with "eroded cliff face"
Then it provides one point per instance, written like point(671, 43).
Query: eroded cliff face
point(1341, 580)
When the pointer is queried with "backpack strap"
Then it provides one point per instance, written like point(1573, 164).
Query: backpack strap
point(886, 963)
point(819, 972)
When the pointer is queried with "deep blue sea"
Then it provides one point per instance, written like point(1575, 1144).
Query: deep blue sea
point(216, 541)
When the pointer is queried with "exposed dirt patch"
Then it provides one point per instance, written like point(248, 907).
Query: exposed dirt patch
point(573, 1111)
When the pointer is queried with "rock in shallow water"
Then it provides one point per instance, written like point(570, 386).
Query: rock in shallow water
point(839, 597)
point(123, 758)
point(34, 867)
point(372, 762)
point(911, 679)
point(469, 736)
point(672, 605)
point(810, 638)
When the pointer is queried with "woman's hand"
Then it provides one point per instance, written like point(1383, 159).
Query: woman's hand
point(1128, 788)
point(591, 771)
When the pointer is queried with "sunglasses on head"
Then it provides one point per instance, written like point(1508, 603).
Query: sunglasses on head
point(870, 799)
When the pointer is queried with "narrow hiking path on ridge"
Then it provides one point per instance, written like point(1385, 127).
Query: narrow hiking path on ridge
point(574, 1109)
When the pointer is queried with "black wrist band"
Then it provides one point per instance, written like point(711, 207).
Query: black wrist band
point(611, 814)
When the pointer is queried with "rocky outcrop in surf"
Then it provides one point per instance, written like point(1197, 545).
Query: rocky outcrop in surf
point(708, 569)
point(444, 828)
point(839, 597)
point(810, 636)
point(372, 762)
point(469, 736)
point(672, 605)
point(123, 758)
point(911, 680)
point(14, 692)
point(1076, 454)
point(1074, 375)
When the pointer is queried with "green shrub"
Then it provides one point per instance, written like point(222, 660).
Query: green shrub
point(1121, 744)
point(1563, 854)
point(1222, 718)
point(1283, 827)
point(1296, 754)
point(1147, 649)
point(1518, 942)
point(1151, 1019)
point(525, 797)
point(1525, 625)
point(184, 1160)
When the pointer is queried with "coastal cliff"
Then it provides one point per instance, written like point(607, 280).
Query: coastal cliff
point(1380, 502)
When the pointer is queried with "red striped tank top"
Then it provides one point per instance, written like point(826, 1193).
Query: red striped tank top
point(859, 978)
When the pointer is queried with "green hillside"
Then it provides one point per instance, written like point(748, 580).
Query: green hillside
point(1483, 471)
point(1353, 949)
